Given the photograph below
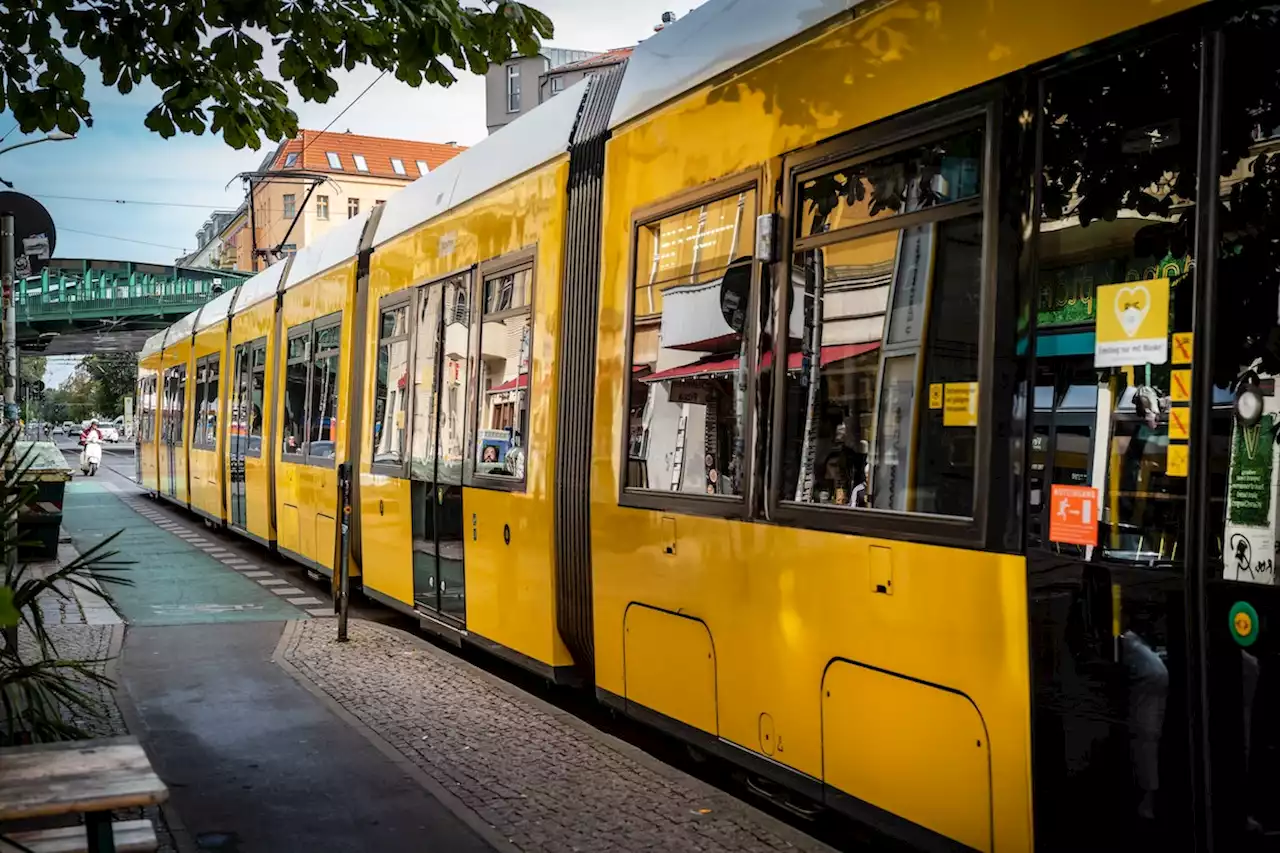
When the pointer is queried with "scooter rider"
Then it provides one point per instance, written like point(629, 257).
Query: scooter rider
point(91, 429)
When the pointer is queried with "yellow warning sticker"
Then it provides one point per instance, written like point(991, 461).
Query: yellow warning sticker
point(935, 395)
point(960, 404)
point(1180, 386)
point(1133, 324)
point(1179, 423)
point(1182, 345)
point(1176, 464)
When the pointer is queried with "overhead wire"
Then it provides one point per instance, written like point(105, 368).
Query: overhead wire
point(121, 239)
point(341, 114)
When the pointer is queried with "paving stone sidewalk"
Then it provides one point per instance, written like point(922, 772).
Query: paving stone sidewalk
point(545, 782)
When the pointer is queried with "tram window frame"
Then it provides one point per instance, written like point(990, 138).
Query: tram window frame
point(513, 263)
point(258, 373)
point(693, 503)
point(253, 372)
point(198, 405)
point(403, 299)
point(302, 331)
point(180, 402)
point(310, 411)
point(979, 110)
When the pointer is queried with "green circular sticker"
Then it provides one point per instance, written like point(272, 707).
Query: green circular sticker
point(1244, 623)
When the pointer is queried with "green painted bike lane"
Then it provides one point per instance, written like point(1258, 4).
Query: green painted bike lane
point(174, 582)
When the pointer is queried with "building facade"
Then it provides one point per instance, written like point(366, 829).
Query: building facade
point(307, 185)
point(522, 82)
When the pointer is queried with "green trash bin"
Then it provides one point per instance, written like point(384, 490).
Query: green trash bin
point(40, 522)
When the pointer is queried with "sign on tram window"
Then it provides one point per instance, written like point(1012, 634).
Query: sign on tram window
point(1133, 324)
point(1073, 515)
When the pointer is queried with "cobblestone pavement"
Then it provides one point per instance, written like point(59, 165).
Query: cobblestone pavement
point(544, 782)
point(69, 622)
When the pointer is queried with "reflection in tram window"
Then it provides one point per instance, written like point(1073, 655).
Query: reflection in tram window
point(693, 286)
point(391, 394)
point(454, 371)
point(1117, 208)
point(882, 367)
point(292, 431)
point(506, 347)
point(422, 437)
point(322, 415)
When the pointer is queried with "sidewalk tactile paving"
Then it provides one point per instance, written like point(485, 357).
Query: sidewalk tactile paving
point(309, 601)
point(257, 574)
point(547, 783)
point(320, 611)
point(286, 590)
point(272, 582)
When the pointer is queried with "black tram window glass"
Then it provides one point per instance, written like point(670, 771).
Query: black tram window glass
point(506, 351)
point(917, 178)
point(391, 391)
point(689, 364)
point(297, 368)
point(322, 414)
point(1114, 245)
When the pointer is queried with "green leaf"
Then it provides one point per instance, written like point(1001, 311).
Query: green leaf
point(9, 615)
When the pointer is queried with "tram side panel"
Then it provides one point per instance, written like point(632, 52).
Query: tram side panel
point(315, 370)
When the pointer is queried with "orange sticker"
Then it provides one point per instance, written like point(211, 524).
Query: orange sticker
point(1073, 515)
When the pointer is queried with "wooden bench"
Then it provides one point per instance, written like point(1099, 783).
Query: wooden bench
point(88, 777)
point(131, 836)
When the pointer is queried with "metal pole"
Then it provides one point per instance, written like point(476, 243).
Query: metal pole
point(7, 271)
point(342, 566)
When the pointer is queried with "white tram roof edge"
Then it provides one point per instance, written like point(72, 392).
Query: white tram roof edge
point(339, 244)
point(537, 137)
point(182, 329)
point(260, 288)
point(153, 344)
point(710, 40)
point(217, 309)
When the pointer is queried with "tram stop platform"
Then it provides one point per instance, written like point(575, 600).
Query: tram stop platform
point(272, 736)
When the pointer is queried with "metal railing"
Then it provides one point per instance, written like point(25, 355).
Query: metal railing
point(71, 289)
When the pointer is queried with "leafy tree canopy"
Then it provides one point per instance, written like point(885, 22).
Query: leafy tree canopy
point(206, 56)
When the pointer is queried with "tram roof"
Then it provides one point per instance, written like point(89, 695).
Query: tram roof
point(710, 40)
point(338, 245)
point(153, 344)
point(537, 137)
point(182, 329)
point(261, 287)
point(217, 309)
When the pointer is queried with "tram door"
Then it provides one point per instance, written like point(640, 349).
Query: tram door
point(441, 358)
point(175, 398)
point(1107, 490)
point(238, 435)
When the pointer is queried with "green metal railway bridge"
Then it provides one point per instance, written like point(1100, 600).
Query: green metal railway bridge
point(77, 307)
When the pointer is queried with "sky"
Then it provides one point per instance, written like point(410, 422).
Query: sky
point(183, 179)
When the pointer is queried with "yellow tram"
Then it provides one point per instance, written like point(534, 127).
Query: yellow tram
point(840, 556)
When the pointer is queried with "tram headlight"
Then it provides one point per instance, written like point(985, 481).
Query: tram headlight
point(1248, 405)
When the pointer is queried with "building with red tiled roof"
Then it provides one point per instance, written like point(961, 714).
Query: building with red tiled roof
point(311, 183)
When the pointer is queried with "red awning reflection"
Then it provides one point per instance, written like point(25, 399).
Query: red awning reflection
point(521, 381)
point(715, 365)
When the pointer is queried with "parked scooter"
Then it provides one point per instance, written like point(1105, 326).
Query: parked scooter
point(91, 456)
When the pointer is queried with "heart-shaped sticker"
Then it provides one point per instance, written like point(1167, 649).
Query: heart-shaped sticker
point(1132, 306)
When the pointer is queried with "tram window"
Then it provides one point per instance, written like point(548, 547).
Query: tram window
point(506, 350)
point(212, 378)
point(179, 402)
point(860, 429)
point(391, 395)
point(1243, 452)
point(426, 359)
point(924, 176)
point(693, 279)
point(322, 401)
point(1118, 208)
point(292, 432)
point(198, 411)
